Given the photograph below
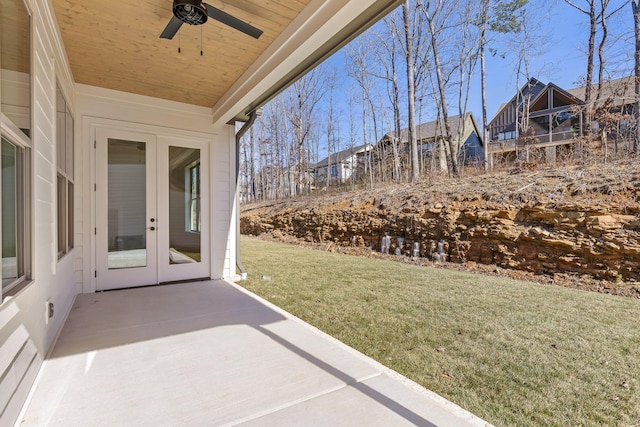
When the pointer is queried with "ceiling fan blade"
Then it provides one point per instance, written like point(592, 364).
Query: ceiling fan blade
point(232, 21)
point(172, 28)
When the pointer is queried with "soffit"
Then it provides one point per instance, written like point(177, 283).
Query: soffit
point(115, 44)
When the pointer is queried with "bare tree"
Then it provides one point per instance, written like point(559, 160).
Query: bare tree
point(357, 68)
point(352, 136)
point(500, 17)
point(331, 126)
point(604, 17)
point(635, 5)
point(411, 89)
point(465, 61)
point(248, 166)
point(484, 24)
point(437, 16)
point(590, 11)
point(386, 56)
point(302, 98)
point(277, 159)
point(596, 15)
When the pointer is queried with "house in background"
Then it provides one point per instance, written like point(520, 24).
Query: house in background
point(431, 138)
point(540, 115)
point(614, 110)
point(547, 117)
point(118, 148)
point(342, 166)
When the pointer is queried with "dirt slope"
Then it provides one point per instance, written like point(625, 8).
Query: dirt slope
point(575, 226)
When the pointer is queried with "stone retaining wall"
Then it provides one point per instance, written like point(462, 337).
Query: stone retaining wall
point(601, 241)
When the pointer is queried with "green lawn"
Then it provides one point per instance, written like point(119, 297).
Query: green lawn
point(513, 353)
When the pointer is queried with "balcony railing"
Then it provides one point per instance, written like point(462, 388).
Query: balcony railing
point(540, 141)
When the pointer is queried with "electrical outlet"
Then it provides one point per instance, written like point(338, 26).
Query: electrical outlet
point(48, 310)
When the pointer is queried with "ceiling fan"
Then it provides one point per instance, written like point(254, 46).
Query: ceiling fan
point(195, 12)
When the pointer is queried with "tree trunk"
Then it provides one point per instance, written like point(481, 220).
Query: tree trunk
point(453, 155)
point(411, 66)
point(396, 123)
point(252, 166)
point(593, 28)
point(484, 11)
point(592, 41)
point(635, 4)
point(329, 137)
point(601, 46)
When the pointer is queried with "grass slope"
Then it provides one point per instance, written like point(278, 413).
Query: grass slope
point(513, 353)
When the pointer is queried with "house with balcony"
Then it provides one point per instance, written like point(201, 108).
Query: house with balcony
point(119, 124)
point(546, 118)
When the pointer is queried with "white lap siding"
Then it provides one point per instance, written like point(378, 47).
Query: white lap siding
point(25, 334)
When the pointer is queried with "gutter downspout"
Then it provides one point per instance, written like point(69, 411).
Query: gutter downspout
point(252, 118)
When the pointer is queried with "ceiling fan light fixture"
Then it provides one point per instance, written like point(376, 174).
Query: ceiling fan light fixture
point(195, 12)
point(190, 12)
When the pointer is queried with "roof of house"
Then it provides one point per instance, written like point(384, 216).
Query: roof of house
point(620, 91)
point(343, 155)
point(531, 89)
point(540, 103)
point(435, 128)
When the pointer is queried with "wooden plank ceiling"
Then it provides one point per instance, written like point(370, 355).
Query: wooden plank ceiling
point(14, 37)
point(115, 44)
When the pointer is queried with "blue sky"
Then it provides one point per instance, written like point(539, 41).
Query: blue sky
point(563, 61)
point(562, 34)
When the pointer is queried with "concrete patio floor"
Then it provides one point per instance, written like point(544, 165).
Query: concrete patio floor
point(211, 353)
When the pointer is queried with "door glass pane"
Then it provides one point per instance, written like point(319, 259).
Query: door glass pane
point(11, 214)
point(184, 205)
point(127, 206)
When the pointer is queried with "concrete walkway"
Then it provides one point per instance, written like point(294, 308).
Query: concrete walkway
point(211, 353)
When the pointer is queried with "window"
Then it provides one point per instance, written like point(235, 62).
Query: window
point(15, 143)
point(14, 185)
point(64, 146)
point(194, 198)
point(504, 136)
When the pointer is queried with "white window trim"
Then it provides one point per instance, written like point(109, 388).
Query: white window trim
point(64, 173)
point(187, 195)
point(10, 132)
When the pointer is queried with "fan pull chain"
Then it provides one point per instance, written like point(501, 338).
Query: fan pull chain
point(179, 40)
point(201, 40)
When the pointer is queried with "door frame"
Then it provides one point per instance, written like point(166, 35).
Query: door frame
point(89, 129)
point(132, 276)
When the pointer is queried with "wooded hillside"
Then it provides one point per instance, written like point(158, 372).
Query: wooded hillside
point(574, 226)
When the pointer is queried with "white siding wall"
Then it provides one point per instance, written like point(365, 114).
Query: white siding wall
point(223, 211)
point(25, 336)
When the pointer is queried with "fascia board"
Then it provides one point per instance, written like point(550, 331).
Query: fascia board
point(320, 29)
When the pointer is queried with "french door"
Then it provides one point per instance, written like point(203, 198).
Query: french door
point(151, 209)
